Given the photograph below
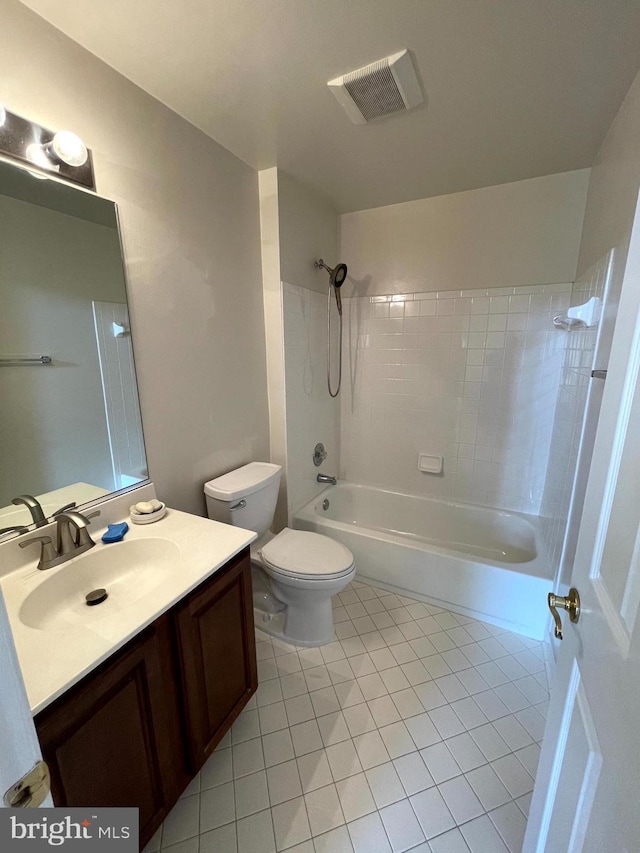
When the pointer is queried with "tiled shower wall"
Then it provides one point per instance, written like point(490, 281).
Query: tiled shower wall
point(472, 375)
point(312, 416)
point(579, 354)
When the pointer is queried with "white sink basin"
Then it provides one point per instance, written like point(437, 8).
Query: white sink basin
point(127, 570)
point(58, 638)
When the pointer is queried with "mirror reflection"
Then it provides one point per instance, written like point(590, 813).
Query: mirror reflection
point(70, 426)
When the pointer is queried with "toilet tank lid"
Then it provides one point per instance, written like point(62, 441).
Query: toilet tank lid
point(243, 481)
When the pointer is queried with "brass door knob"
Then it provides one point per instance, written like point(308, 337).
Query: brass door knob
point(570, 603)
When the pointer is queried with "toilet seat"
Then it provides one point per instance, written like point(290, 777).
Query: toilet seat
point(305, 555)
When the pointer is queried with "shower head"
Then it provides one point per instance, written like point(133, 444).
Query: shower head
point(337, 275)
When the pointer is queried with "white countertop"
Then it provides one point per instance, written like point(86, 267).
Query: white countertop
point(53, 659)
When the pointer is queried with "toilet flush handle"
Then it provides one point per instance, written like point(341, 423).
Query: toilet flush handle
point(239, 505)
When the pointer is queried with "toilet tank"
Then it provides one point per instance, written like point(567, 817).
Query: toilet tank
point(255, 485)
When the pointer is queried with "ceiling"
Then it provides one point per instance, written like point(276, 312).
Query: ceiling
point(514, 88)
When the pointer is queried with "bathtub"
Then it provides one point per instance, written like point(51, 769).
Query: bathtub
point(482, 562)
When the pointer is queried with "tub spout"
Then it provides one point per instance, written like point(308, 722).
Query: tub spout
point(325, 478)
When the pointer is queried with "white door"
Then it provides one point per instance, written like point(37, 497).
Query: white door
point(587, 793)
point(19, 747)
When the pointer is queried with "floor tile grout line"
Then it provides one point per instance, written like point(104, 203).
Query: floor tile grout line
point(449, 702)
point(464, 773)
point(390, 646)
point(513, 670)
point(467, 730)
point(486, 812)
point(486, 762)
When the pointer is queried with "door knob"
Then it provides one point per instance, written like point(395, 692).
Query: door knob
point(570, 603)
point(31, 790)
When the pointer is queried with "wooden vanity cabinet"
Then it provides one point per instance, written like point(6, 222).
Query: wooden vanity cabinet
point(135, 730)
point(216, 647)
point(114, 739)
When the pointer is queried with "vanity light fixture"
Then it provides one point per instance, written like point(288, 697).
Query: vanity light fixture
point(61, 152)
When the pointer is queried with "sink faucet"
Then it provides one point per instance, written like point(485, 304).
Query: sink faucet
point(325, 478)
point(72, 539)
point(33, 505)
point(35, 508)
point(72, 536)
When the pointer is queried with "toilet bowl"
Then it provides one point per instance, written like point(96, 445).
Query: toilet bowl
point(295, 573)
point(306, 570)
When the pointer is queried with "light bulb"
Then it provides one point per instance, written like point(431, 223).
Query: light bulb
point(68, 147)
point(37, 154)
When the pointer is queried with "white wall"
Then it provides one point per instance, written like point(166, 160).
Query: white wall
point(312, 415)
point(469, 375)
point(190, 222)
point(462, 359)
point(579, 398)
point(274, 331)
point(297, 227)
point(308, 231)
point(516, 234)
point(613, 187)
point(611, 204)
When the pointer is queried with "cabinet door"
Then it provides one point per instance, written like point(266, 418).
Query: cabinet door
point(115, 740)
point(218, 655)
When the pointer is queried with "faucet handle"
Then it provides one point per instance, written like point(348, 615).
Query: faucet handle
point(64, 508)
point(18, 528)
point(83, 536)
point(48, 551)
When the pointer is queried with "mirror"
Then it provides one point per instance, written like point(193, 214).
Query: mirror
point(70, 425)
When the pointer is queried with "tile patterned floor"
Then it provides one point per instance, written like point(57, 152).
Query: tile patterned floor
point(417, 729)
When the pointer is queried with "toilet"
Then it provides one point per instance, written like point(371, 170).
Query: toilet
point(295, 573)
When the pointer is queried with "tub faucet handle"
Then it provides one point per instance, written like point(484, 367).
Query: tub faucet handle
point(319, 454)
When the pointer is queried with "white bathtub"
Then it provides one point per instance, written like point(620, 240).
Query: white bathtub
point(482, 562)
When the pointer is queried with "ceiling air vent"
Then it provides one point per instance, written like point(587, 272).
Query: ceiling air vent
point(387, 86)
